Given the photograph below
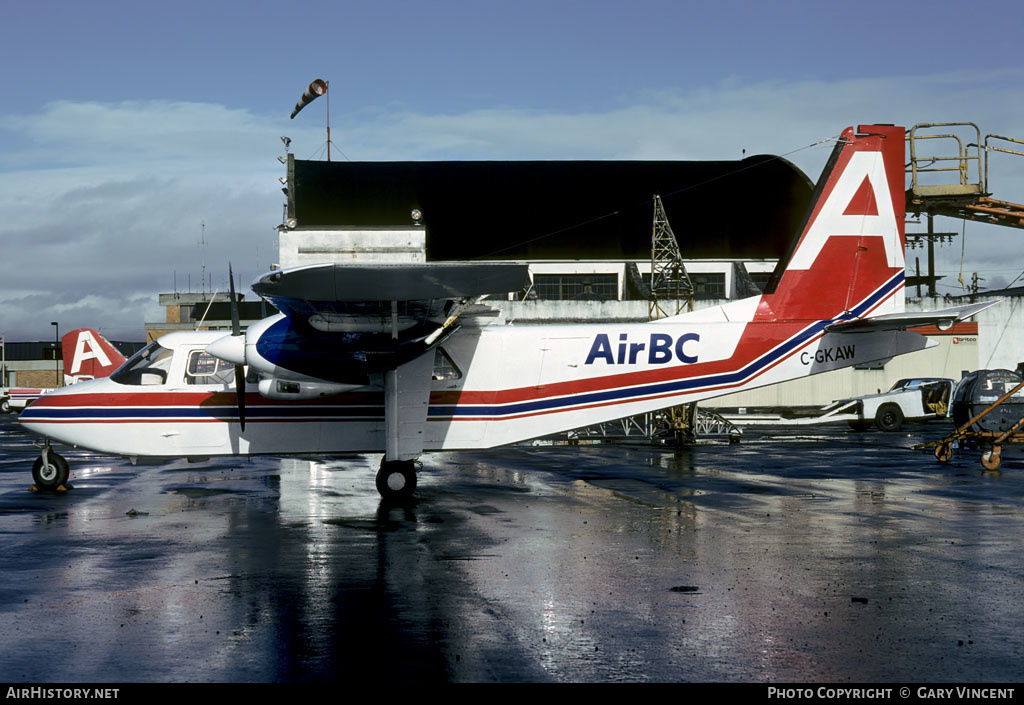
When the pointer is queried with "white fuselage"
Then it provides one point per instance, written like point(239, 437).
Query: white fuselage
point(497, 385)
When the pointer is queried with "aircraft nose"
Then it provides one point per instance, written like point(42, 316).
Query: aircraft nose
point(230, 348)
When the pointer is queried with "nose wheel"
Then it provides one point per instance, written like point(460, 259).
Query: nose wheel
point(50, 471)
point(396, 479)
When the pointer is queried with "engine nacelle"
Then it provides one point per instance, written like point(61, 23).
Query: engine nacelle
point(292, 390)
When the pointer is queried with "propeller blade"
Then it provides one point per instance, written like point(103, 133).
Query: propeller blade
point(236, 329)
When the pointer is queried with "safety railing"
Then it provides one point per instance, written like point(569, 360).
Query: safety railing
point(967, 162)
point(989, 149)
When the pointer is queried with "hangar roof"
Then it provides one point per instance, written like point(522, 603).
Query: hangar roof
point(560, 209)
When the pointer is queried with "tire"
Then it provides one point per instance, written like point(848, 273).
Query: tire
point(992, 459)
point(889, 418)
point(396, 480)
point(55, 473)
point(5, 406)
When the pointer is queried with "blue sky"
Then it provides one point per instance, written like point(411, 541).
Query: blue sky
point(128, 124)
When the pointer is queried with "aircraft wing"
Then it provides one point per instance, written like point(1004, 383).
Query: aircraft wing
point(329, 287)
point(943, 319)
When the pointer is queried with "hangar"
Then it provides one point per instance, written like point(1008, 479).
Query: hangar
point(580, 224)
point(544, 210)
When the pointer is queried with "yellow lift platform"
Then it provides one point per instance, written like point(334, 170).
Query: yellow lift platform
point(968, 195)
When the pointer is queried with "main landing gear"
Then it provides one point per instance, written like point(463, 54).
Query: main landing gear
point(50, 471)
point(396, 479)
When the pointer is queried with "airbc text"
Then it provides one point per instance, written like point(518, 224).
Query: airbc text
point(824, 355)
point(658, 349)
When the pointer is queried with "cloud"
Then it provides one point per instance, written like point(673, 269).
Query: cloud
point(103, 204)
point(714, 121)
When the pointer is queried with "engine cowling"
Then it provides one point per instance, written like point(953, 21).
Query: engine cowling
point(293, 390)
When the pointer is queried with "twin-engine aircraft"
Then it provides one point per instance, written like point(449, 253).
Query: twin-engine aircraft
point(397, 358)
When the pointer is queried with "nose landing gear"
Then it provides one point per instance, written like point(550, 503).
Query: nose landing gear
point(50, 472)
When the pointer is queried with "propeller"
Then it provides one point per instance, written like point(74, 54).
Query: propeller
point(236, 330)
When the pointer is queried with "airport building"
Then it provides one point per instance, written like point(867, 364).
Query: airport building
point(203, 311)
point(39, 364)
point(32, 364)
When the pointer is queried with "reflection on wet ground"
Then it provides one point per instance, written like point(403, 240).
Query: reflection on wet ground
point(794, 556)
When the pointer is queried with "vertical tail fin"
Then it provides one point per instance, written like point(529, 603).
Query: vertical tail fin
point(88, 355)
point(848, 260)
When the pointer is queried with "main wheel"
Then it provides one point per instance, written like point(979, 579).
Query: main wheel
point(396, 479)
point(5, 406)
point(52, 475)
point(889, 418)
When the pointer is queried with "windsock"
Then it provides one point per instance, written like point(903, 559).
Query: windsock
point(316, 89)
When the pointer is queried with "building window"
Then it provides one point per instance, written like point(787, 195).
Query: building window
point(576, 287)
point(709, 285)
point(761, 279)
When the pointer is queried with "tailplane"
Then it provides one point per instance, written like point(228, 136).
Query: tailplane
point(88, 355)
point(848, 261)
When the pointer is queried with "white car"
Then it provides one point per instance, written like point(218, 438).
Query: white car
point(915, 398)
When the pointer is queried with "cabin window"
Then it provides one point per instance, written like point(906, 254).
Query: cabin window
point(147, 367)
point(204, 368)
point(444, 366)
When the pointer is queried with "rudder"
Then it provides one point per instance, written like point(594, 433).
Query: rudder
point(848, 260)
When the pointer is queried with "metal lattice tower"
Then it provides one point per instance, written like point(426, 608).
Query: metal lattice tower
point(669, 280)
point(669, 284)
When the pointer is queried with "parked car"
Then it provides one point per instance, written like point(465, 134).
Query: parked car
point(914, 398)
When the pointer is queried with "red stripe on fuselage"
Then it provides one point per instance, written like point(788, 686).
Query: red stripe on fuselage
point(193, 399)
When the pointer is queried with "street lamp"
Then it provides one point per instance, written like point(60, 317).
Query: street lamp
point(56, 350)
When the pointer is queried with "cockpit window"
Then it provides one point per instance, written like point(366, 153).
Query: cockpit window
point(146, 367)
point(204, 368)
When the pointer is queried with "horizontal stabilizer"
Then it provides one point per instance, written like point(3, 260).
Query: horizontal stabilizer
point(393, 282)
point(943, 320)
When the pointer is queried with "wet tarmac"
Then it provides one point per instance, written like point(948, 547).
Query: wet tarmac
point(809, 555)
